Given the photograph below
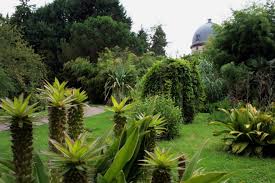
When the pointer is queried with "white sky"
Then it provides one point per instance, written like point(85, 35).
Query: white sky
point(180, 18)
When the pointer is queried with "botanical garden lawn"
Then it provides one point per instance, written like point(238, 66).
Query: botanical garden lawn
point(244, 169)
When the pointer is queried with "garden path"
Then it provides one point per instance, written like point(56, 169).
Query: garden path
point(88, 111)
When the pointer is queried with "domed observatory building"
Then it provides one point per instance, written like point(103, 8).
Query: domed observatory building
point(201, 36)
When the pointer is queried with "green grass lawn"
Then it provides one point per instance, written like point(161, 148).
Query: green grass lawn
point(244, 169)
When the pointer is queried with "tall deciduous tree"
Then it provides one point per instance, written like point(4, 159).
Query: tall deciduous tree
point(159, 41)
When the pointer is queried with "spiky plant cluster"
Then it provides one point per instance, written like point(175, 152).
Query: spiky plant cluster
point(155, 128)
point(162, 162)
point(152, 127)
point(21, 129)
point(74, 157)
point(119, 117)
point(58, 101)
point(76, 113)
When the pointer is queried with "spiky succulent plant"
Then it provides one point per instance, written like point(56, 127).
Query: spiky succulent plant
point(162, 162)
point(119, 117)
point(58, 101)
point(75, 157)
point(20, 113)
point(76, 113)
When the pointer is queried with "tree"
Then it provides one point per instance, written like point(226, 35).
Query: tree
point(141, 42)
point(18, 63)
point(89, 38)
point(45, 27)
point(21, 128)
point(159, 41)
point(246, 38)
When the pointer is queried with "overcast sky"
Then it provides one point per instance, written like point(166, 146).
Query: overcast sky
point(180, 18)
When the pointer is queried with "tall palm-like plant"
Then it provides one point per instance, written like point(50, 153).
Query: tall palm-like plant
point(20, 113)
point(58, 101)
point(75, 157)
point(76, 113)
point(119, 117)
point(162, 162)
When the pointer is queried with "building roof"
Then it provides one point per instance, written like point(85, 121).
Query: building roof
point(202, 34)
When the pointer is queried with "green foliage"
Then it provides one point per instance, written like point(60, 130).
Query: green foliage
point(213, 83)
point(162, 163)
point(21, 70)
point(119, 117)
point(19, 108)
point(164, 106)
point(124, 153)
point(173, 78)
point(247, 35)
point(96, 33)
point(75, 157)
point(159, 41)
point(76, 113)
point(40, 171)
point(248, 131)
point(6, 171)
point(194, 174)
point(56, 94)
point(46, 27)
point(21, 129)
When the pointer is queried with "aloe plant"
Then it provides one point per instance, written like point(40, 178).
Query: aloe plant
point(75, 157)
point(119, 117)
point(20, 113)
point(76, 113)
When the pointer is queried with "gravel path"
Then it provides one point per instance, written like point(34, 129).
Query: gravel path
point(88, 111)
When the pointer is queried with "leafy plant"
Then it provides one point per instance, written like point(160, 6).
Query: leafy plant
point(75, 157)
point(119, 117)
point(6, 171)
point(162, 162)
point(172, 77)
point(248, 131)
point(118, 83)
point(165, 107)
point(20, 113)
point(76, 113)
point(58, 101)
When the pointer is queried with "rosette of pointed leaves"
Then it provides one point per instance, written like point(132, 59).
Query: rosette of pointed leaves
point(76, 113)
point(162, 162)
point(58, 101)
point(119, 117)
point(20, 113)
point(75, 157)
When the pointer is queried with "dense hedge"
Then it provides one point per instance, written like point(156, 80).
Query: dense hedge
point(174, 77)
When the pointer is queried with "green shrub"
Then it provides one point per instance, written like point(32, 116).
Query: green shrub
point(172, 77)
point(248, 131)
point(166, 108)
